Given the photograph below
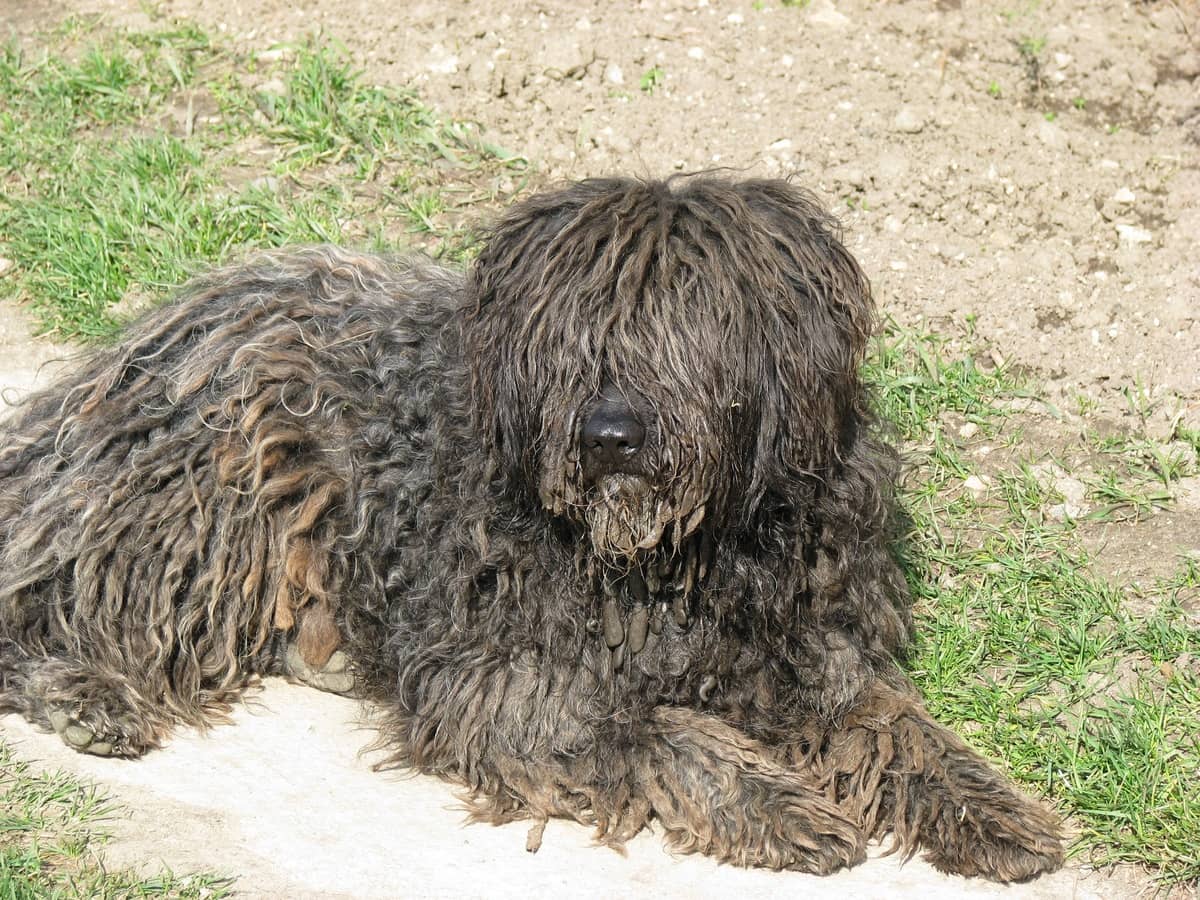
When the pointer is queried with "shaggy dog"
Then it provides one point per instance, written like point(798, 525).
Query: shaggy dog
point(603, 527)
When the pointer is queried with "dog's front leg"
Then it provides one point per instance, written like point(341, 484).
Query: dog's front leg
point(531, 744)
point(717, 791)
point(893, 768)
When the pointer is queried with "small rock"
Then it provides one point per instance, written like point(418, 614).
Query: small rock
point(1188, 64)
point(1131, 234)
point(5, 265)
point(735, 19)
point(275, 54)
point(440, 61)
point(1059, 512)
point(851, 175)
point(892, 165)
point(969, 430)
point(695, 53)
point(975, 484)
point(613, 74)
point(1124, 196)
point(273, 86)
point(908, 121)
point(1050, 134)
point(821, 12)
point(618, 142)
point(1052, 476)
point(1187, 493)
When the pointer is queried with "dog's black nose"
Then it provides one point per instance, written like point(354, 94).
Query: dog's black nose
point(612, 435)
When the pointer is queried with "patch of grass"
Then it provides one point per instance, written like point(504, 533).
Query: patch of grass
point(1030, 46)
point(651, 79)
point(1137, 474)
point(50, 834)
point(1030, 51)
point(994, 90)
point(1036, 660)
point(131, 161)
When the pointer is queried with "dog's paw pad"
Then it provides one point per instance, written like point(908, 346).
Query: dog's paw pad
point(78, 736)
point(333, 677)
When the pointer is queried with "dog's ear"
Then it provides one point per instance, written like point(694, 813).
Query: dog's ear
point(820, 268)
point(823, 321)
point(511, 287)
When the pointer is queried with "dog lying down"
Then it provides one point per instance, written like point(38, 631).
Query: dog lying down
point(602, 526)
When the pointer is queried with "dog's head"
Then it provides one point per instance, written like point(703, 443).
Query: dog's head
point(653, 359)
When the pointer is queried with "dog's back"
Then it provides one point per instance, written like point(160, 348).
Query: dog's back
point(186, 495)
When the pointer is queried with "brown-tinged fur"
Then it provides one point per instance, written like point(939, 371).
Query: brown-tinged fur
point(337, 450)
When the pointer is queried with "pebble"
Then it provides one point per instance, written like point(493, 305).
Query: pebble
point(1124, 195)
point(975, 484)
point(969, 430)
point(1131, 234)
point(908, 121)
point(440, 61)
point(613, 74)
point(5, 265)
point(892, 165)
point(1050, 134)
point(821, 12)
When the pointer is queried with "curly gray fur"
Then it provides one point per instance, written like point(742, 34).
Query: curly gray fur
point(355, 455)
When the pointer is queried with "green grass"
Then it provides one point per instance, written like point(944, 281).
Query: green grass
point(129, 161)
point(652, 79)
point(1024, 651)
point(50, 837)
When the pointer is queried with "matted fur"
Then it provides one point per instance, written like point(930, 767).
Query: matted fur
point(320, 450)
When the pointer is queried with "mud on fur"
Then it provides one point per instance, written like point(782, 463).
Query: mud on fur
point(602, 526)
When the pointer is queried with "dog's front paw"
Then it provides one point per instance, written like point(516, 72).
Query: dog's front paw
point(1011, 838)
point(807, 834)
point(775, 821)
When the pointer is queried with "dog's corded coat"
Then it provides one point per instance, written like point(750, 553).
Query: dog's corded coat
point(319, 456)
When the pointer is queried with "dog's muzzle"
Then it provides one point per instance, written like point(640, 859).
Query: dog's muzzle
point(613, 436)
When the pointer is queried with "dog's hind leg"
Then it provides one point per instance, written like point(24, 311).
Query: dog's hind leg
point(93, 711)
point(311, 654)
point(891, 767)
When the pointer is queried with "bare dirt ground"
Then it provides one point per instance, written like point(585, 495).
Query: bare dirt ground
point(1026, 170)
